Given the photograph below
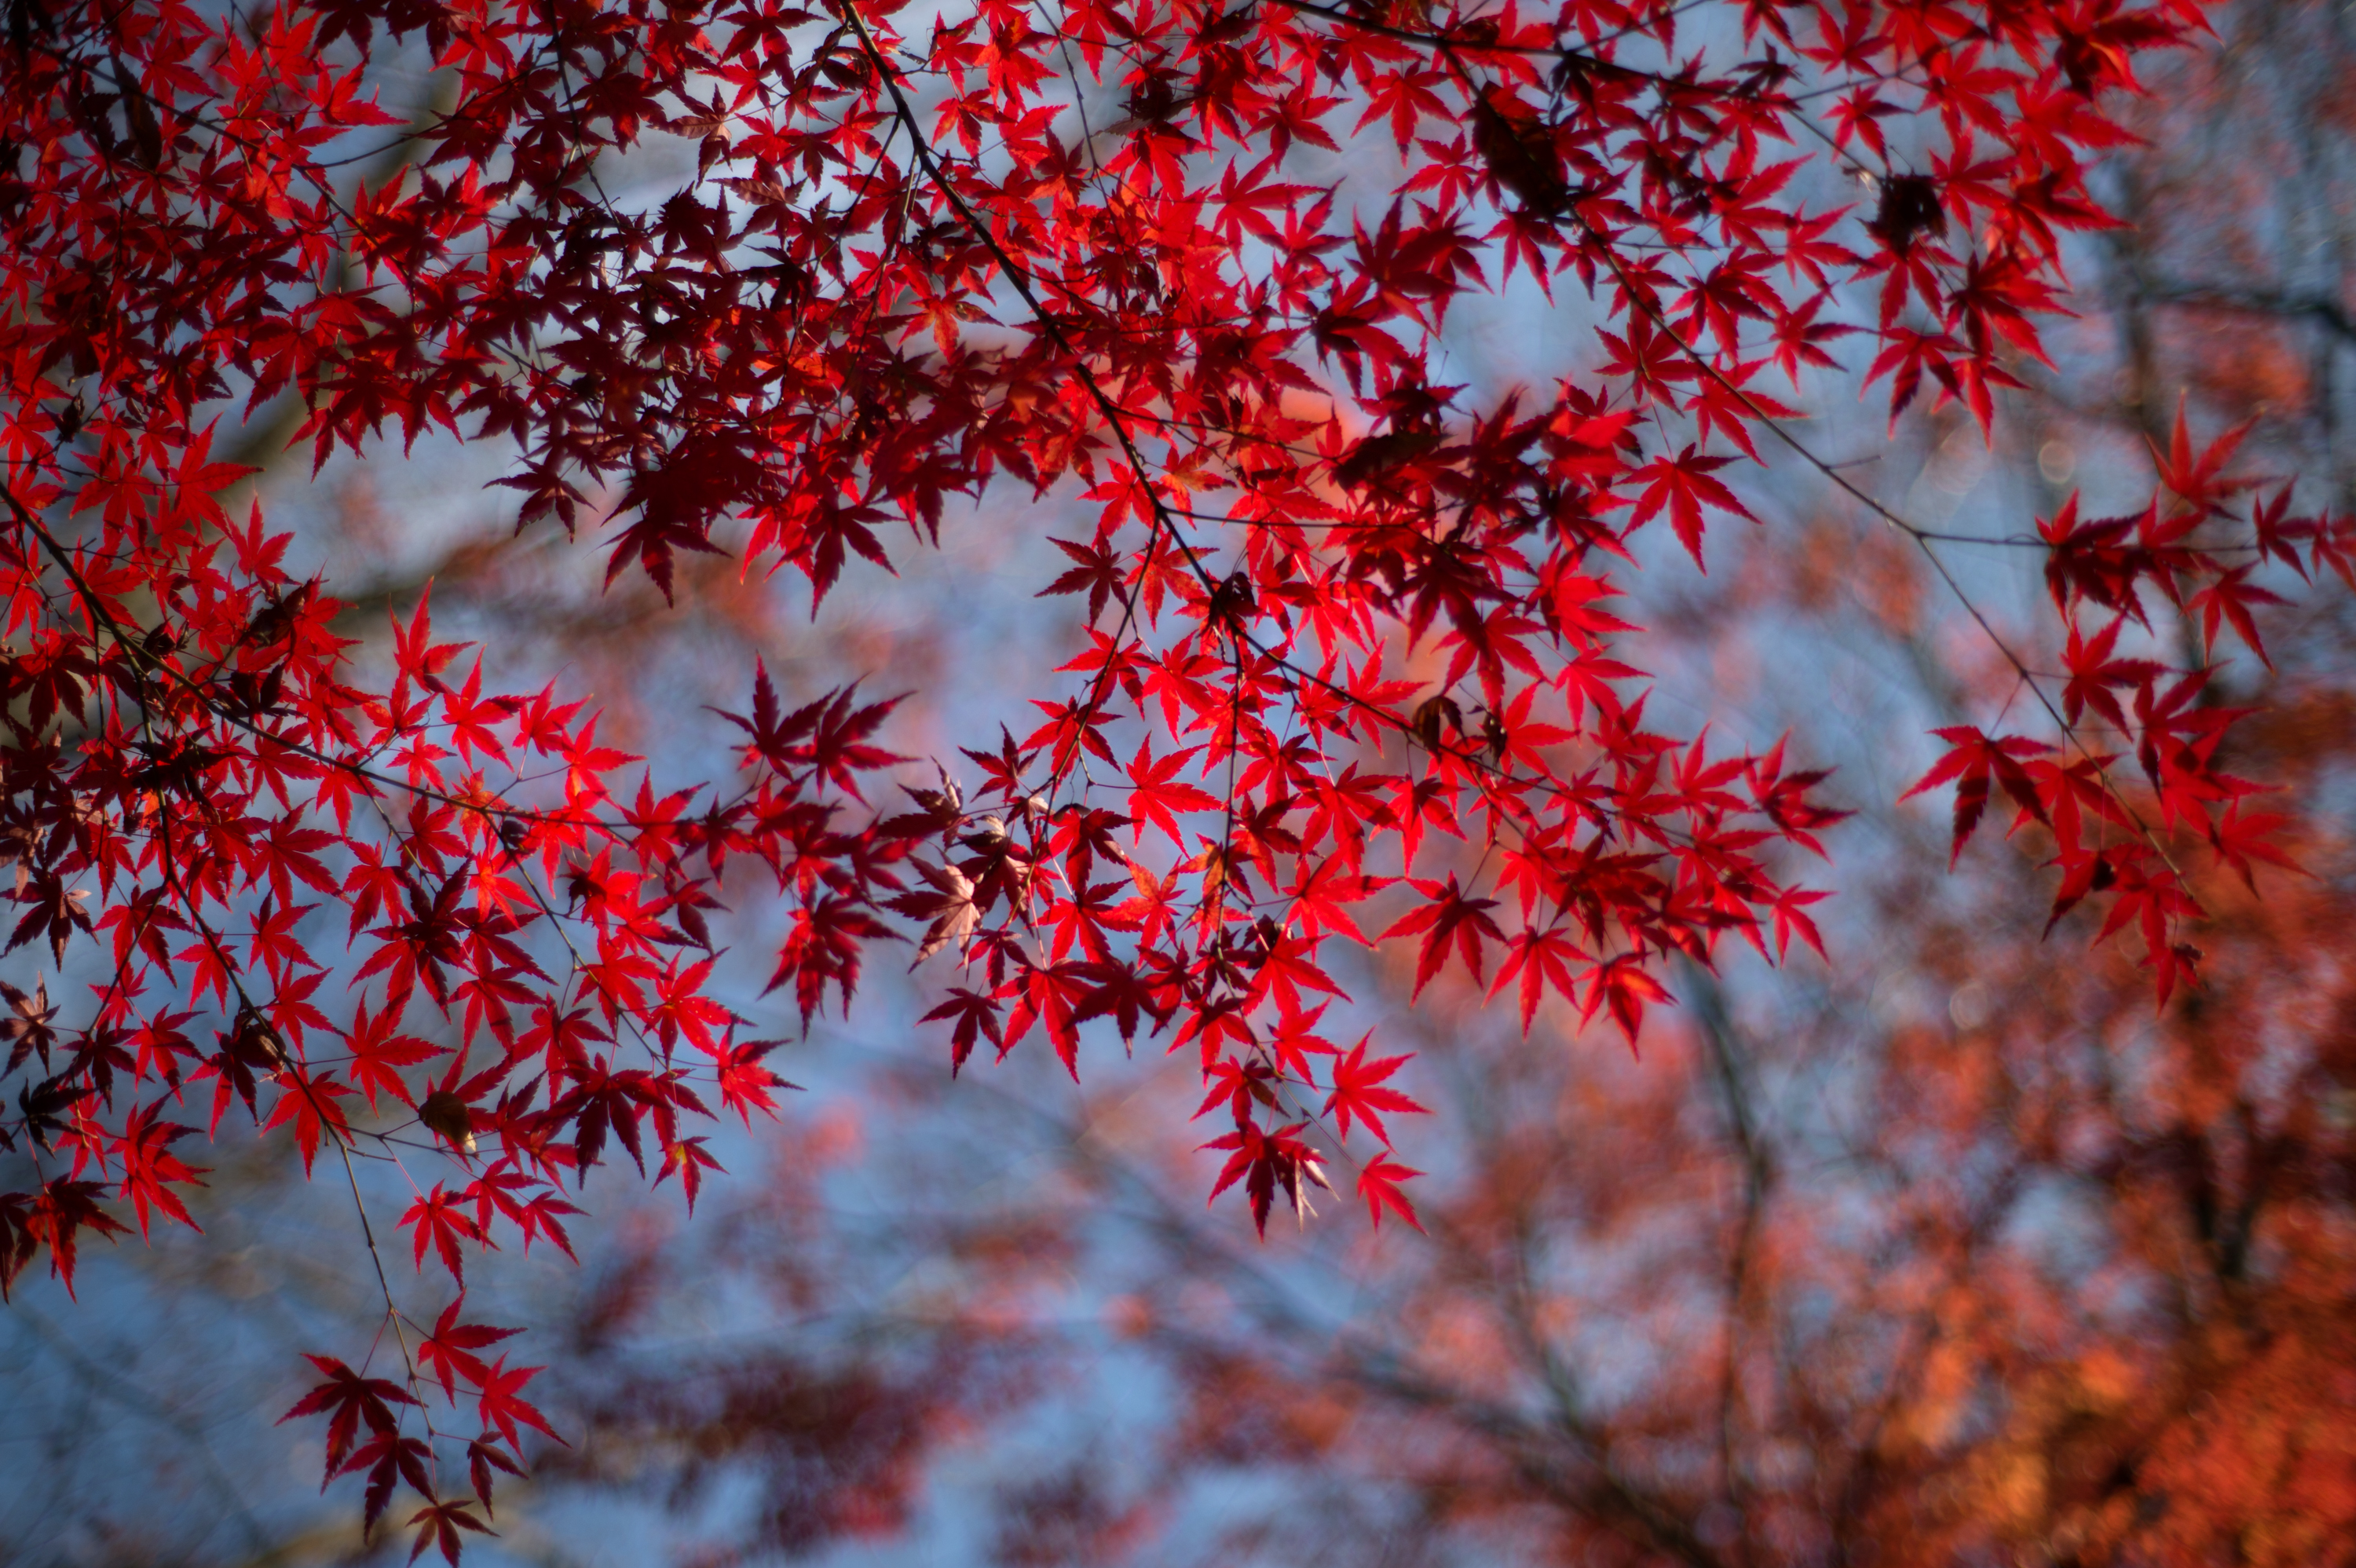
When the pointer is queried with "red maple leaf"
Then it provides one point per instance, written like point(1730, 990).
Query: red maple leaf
point(1358, 1091)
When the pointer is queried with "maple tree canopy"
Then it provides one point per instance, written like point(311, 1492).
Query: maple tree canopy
point(1194, 262)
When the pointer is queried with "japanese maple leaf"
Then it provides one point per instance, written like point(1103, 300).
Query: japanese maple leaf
point(1972, 762)
point(839, 749)
point(1543, 960)
point(502, 1407)
point(2241, 838)
point(1293, 1038)
point(2093, 673)
point(744, 1083)
point(418, 656)
point(1684, 485)
point(973, 1016)
point(310, 1102)
point(822, 949)
point(473, 716)
point(2197, 480)
point(389, 1457)
point(951, 908)
point(483, 1455)
point(28, 1025)
point(62, 1208)
point(1358, 1091)
point(2229, 599)
point(1791, 919)
point(439, 1524)
point(150, 1169)
point(274, 940)
point(688, 1159)
point(774, 736)
point(1121, 995)
point(680, 1008)
point(1098, 573)
point(1449, 918)
point(379, 1054)
point(448, 1351)
point(290, 854)
point(1156, 793)
point(441, 1224)
point(1378, 1184)
point(1266, 1162)
point(1320, 892)
point(347, 1399)
point(1623, 987)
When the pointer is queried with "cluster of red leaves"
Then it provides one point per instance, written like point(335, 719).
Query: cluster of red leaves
point(1332, 618)
point(2140, 841)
